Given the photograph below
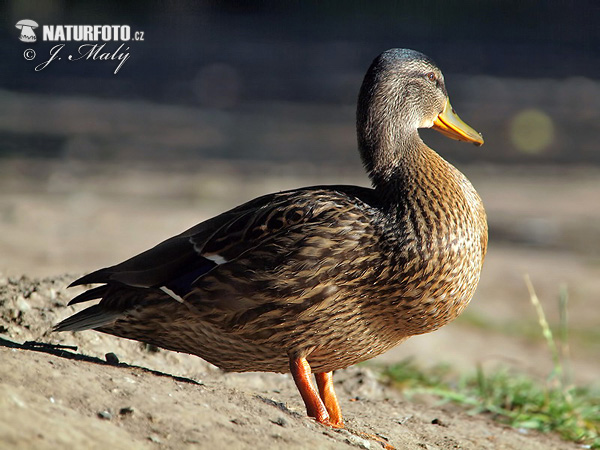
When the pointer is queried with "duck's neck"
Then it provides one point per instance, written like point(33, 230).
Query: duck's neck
point(389, 156)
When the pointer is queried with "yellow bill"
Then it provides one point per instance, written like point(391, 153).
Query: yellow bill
point(449, 124)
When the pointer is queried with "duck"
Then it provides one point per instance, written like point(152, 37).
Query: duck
point(313, 280)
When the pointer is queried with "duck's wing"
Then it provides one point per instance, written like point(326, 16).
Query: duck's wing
point(176, 265)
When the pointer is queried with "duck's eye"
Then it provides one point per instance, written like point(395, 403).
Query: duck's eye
point(431, 76)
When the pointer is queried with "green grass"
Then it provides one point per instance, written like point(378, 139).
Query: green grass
point(553, 404)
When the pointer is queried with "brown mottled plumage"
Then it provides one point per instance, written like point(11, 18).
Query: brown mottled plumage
point(321, 277)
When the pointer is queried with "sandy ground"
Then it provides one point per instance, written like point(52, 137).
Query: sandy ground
point(58, 217)
point(62, 398)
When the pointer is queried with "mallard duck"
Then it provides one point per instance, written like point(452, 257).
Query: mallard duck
point(316, 279)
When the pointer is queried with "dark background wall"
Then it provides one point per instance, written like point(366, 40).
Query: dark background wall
point(500, 58)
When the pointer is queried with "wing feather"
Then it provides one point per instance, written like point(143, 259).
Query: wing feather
point(180, 262)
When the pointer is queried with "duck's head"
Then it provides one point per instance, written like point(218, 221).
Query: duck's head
point(402, 91)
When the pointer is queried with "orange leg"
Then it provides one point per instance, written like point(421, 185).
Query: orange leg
point(322, 405)
point(325, 384)
point(314, 405)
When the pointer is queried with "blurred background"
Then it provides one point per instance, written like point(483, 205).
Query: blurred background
point(224, 101)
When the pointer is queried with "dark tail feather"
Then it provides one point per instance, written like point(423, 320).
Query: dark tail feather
point(91, 294)
point(99, 276)
point(90, 318)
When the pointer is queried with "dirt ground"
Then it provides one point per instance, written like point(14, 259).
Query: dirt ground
point(56, 218)
point(67, 398)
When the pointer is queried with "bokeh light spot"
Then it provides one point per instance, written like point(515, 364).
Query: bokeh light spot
point(532, 131)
